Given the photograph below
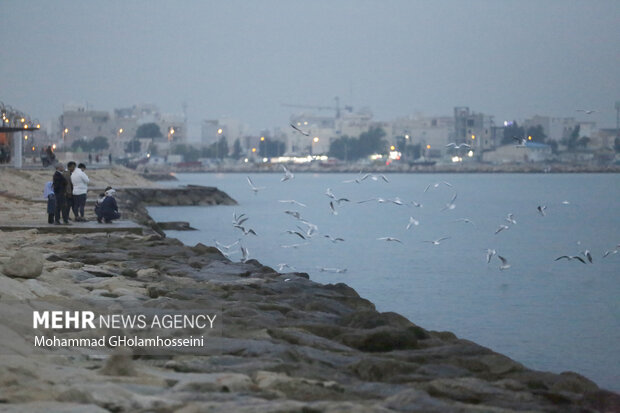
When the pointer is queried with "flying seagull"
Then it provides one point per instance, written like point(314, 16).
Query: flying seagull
point(332, 208)
point(336, 270)
point(541, 209)
point(571, 257)
point(412, 221)
point(299, 130)
point(501, 228)
point(254, 187)
point(332, 239)
point(299, 234)
point(389, 239)
point(511, 218)
point(437, 242)
point(282, 266)
point(287, 174)
point(416, 204)
point(505, 264)
point(588, 255)
point(292, 201)
point(451, 204)
point(455, 146)
point(465, 220)
point(490, 254)
point(586, 111)
point(245, 254)
point(293, 214)
point(245, 230)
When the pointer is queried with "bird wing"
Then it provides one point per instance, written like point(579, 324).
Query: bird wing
point(579, 258)
point(503, 260)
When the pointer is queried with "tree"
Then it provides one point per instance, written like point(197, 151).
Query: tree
point(270, 148)
point(513, 130)
point(99, 143)
point(346, 148)
point(189, 153)
point(148, 130)
point(537, 133)
point(133, 146)
point(572, 141)
point(237, 150)
point(80, 145)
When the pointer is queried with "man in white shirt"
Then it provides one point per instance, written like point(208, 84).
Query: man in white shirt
point(80, 180)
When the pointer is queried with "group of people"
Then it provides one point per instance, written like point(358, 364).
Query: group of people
point(67, 192)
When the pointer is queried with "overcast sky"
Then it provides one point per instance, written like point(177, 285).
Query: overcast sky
point(244, 58)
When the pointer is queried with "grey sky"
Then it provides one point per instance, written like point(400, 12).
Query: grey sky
point(243, 59)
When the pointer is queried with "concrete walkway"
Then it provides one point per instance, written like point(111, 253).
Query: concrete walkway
point(76, 227)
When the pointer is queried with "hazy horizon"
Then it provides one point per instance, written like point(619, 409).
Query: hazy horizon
point(242, 59)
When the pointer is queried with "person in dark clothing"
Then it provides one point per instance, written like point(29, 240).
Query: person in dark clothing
point(108, 209)
point(59, 184)
point(68, 206)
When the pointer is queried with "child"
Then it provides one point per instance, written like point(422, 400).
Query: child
point(48, 193)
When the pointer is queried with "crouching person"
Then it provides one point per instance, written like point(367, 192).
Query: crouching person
point(106, 208)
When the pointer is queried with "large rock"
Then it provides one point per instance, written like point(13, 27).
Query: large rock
point(24, 264)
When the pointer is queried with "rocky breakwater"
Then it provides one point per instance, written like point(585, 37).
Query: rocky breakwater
point(286, 344)
point(134, 200)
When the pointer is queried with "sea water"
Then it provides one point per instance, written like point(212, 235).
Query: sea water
point(547, 314)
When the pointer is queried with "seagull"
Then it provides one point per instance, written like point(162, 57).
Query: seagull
point(293, 214)
point(437, 242)
point(282, 266)
point(588, 255)
point(570, 258)
point(287, 174)
point(389, 239)
point(455, 146)
point(587, 112)
point(374, 177)
point(541, 209)
point(292, 201)
point(501, 228)
point(379, 200)
point(565, 202)
point(465, 220)
point(490, 254)
point(412, 221)
point(299, 234)
point(294, 245)
point(396, 201)
point(333, 208)
point(335, 270)
point(332, 239)
point(245, 254)
point(330, 194)
point(238, 219)
point(225, 247)
point(610, 252)
point(505, 264)
point(451, 204)
point(312, 229)
point(511, 218)
point(299, 130)
point(436, 185)
point(245, 230)
point(416, 204)
point(357, 180)
point(254, 187)
point(341, 200)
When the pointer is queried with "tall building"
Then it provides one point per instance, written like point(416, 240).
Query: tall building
point(474, 129)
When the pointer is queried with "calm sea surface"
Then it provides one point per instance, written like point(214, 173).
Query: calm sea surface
point(549, 315)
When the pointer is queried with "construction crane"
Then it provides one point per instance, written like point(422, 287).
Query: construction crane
point(336, 108)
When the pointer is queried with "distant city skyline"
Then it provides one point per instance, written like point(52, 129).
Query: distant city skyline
point(244, 60)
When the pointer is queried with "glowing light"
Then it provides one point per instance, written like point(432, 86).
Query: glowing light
point(245, 160)
point(316, 139)
point(253, 150)
point(265, 160)
point(392, 147)
point(172, 131)
point(33, 148)
point(470, 153)
point(148, 155)
point(262, 138)
point(26, 137)
point(529, 138)
point(23, 120)
point(473, 136)
point(376, 156)
point(26, 126)
point(305, 122)
point(120, 131)
point(54, 147)
point(38, 126)
point(66, 130)
point(406, 136)
point(395, 155)
point(428, 146)
point(219, 131)
point(456, 159)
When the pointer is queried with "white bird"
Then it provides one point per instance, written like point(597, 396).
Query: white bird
point(490, 254)
point(451, 204)
point(335, 270)
point(374, 177)
point(287, 174)
point(238, 219)
point(541, 209)
point(357, 180)
point(332, 239)
point(437, 242)
point(254, 187)
point(412, 221)
point(245, 254)
point(565, 202)
point(245, 231)
point(588, 255)
point(396, 201)
point(312, 229)
point(609, 252)
point(292, 201)
point(332, 208)
point(299, 130)
point(511, 218)
point(505, 264)
point(282, 266)
point(294, 214)
point(436, 185)
point(330, 194)
point(586, 111)
point(389, 239)
point(294, 245)
point(501, 228)
point(455, 146)
point(571, 257)
point(416, 204)
point(465, 220)
point(225, 247)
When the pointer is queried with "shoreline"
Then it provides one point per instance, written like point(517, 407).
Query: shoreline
point(287, 343)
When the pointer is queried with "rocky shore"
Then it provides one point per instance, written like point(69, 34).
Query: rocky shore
point(285, 343)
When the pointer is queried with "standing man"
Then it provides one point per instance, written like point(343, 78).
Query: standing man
point(80, 180)
point(68, 190)
point(59, 185)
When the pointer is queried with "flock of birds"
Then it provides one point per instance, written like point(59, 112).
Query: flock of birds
point(305, 230)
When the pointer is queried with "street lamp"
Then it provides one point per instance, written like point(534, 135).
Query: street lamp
point(262, 146)
point(315, 140)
